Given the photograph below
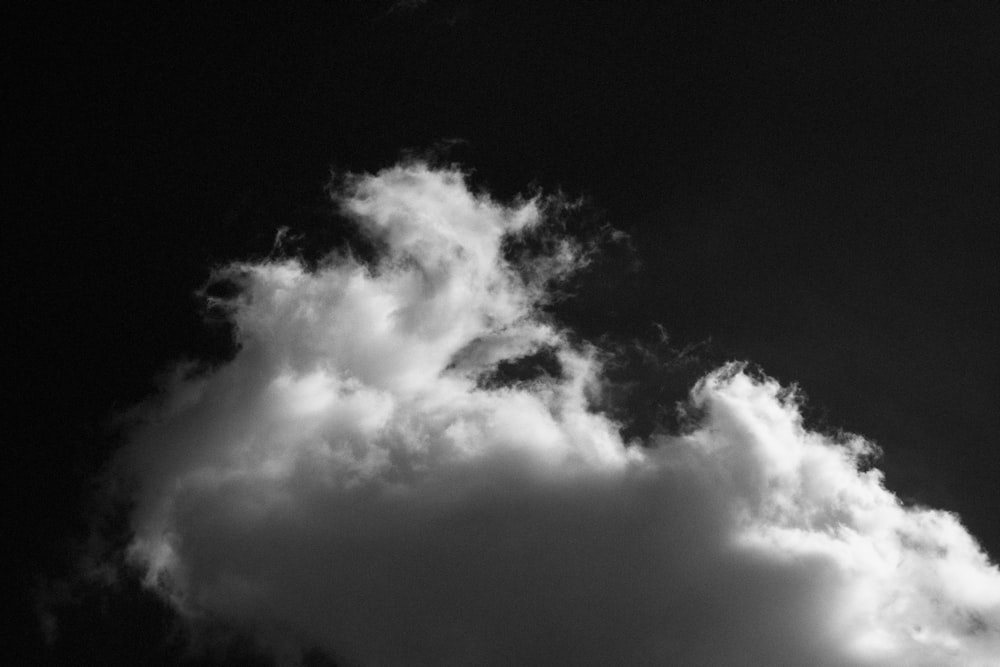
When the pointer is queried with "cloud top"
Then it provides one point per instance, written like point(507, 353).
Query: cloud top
point(348, 480)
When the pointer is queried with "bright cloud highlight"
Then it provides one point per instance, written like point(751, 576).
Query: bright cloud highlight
point(350, 481)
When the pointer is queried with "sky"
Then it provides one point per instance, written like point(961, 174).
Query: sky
point(491, 333)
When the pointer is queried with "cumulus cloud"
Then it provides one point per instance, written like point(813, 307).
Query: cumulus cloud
point(349, 480)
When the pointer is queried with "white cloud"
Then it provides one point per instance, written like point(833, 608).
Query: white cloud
point(345, 481)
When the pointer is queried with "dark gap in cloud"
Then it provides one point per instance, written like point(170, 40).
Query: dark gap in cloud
point(223, 288)
point(540, 365)
point(647, 383)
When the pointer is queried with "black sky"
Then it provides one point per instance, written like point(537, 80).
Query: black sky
point(813, 187)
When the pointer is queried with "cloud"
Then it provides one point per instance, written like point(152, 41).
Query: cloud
point(349, 480)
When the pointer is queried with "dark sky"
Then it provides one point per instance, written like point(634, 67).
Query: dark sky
point(813, 187)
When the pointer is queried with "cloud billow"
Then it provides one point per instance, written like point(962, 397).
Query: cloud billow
point(349, 481)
